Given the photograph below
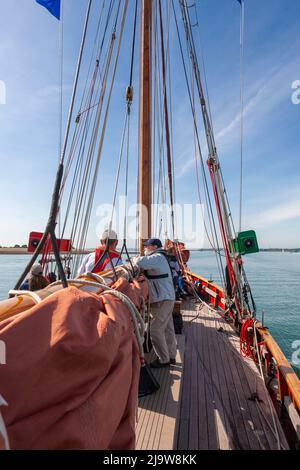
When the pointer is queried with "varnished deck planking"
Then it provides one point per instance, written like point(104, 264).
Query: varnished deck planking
point(203, 402)
point(157, 413)
point(232, 420)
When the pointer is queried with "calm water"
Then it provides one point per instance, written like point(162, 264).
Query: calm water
point(274, 278)
point(275, 282)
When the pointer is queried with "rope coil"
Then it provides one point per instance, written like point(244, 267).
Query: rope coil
point(25, 293)
point(136, 317)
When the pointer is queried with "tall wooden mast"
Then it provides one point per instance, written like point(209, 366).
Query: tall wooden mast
point(145, 183)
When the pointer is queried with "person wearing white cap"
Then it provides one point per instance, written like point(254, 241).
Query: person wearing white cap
point(104, 257)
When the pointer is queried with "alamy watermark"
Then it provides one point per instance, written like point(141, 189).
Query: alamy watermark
point(2, 92)
point(296, 93)
point(188, 221)
point(296, 353)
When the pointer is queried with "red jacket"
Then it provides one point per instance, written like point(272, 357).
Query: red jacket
point(106, 259)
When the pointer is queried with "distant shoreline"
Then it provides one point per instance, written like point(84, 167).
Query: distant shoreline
point(23, 251)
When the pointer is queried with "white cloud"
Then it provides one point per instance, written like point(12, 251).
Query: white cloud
point(280, 214)
point(265, 95)
point(287, 209)
point(186, 167)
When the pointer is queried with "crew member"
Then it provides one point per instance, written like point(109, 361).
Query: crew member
point(104, 257)
point(37, 281)
point(162, 299)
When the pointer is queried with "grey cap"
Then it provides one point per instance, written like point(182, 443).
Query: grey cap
point(36, 270)
point(109, 235)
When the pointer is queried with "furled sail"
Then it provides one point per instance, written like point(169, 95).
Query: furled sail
point(71, 358)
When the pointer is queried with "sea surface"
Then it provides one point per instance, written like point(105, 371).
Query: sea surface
point(274, 279)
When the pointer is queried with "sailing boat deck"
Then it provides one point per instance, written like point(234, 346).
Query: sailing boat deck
point(215, 407)
point(157, 414)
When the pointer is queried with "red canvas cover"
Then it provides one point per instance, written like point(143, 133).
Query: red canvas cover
point(35, 238)
point(71, 379)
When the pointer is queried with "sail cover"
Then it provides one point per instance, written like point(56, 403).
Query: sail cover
point(72, 372)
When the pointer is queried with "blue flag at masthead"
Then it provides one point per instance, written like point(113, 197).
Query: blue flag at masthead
point(52, 5)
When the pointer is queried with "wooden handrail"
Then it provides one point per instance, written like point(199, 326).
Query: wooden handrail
point(212, 284)
point(285, 368)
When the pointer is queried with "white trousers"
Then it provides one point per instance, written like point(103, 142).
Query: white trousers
point(162, 331)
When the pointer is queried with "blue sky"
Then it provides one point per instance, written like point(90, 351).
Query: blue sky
point(29, 119)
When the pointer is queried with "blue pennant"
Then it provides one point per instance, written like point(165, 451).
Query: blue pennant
point(52, 5)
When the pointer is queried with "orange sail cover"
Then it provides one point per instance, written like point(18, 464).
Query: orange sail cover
point(71, 379)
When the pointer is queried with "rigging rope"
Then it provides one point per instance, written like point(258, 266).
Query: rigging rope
point(161, 215)
point(214, 246)
point(267, 394)
point(168, 60)
point(98, 50)
point(86, 219)
point(84, 174)
point(250, 347)
point(221, 200)
point(214, 243)
point(83, 40)
point(136, 317)
point(154, 140)
point(83, 125)
point(166, 113)
point(209, 202)
point(133, 43)
point(242, 79)
point(60, 75)
point(274, 429)
point(206, 117)
point(82, 194)
point(126, 132)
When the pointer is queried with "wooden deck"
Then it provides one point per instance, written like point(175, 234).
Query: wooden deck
point(205, 403)
point(158, 413)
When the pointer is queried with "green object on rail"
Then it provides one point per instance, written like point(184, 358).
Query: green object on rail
point(246, 243)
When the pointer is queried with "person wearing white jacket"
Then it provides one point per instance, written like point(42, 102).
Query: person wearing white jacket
point(162, 298)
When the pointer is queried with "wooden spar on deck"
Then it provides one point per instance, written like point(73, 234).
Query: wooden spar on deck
point(145, 196)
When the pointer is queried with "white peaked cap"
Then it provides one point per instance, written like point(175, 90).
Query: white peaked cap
point(109, 234)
